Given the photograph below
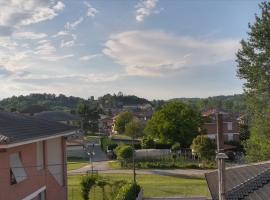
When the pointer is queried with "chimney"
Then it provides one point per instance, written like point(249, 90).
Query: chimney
point(221, 156)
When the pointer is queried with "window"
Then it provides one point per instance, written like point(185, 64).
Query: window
point(229, 126)
point(40, 155)
point(17, 172)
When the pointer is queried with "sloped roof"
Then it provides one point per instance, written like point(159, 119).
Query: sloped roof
point(16, 128)
point(57, 116)
point(243, 182)
point(33, 109)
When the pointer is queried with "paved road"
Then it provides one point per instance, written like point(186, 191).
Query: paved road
point(100, 163)
point(102, 167)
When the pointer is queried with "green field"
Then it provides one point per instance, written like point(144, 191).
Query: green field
point(153, 185)
point(76, 163)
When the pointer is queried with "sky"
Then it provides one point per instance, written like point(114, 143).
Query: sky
point(157, 49)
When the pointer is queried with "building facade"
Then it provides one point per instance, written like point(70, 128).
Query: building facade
point(32, 165)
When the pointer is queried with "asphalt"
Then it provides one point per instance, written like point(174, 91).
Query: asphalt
point(100, 164)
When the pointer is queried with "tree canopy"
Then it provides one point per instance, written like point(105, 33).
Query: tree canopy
point(122, 120)
point(175, 122)
point(204, 147)
point(254, 67)
point(134, 128)
point(89, 112)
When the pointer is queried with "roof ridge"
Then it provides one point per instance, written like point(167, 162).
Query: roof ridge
point(249, 186)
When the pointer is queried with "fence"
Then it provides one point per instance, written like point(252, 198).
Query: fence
point(163, 154)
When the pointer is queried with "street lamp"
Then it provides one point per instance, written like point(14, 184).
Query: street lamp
point(91, 154)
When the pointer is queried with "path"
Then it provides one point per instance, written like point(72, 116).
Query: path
point(100, 164)
point(103, 167)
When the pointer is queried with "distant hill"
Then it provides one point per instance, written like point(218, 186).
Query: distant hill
point(109, 101)
point(48, 101)
point(230, 103)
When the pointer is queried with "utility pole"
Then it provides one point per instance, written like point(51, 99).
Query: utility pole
point(221, 156)
point(133, 161)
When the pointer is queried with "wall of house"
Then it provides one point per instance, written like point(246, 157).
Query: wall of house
point(230, 130)
point(36, 177)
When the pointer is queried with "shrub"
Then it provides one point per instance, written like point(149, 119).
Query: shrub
point(148, 143)
point(160, 145)
point(128, 192)
point(204, 147)
point(86, 184)
point(107, 144)
point(176, 147)
point(124, 152)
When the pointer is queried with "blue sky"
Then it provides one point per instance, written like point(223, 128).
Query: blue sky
point(158, 49)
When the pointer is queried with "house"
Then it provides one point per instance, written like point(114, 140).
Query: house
point(230, 125)
point(105, 124)
point(246, 182)
point(32, 158)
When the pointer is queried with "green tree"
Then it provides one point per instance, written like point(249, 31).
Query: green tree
point(175, 122)
point(122, 120)
point(90, 115)
point(148, 142)
point(204, 148)
point(124, 153)
point(254, 67)
point(134, 129)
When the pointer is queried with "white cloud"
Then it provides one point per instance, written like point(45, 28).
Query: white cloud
point(69, 43)
point(73, 25)
point(59, 6)
point(145, 8)
point(45, 48)
point(29, 35)
point(25, 12)
point(89, 57)
point(152, 53)
point(67, 78)
point(60, 33)
point(91, 11)
point(56, 58)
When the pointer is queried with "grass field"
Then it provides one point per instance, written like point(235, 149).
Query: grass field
point(153, 185)
point(76, 163)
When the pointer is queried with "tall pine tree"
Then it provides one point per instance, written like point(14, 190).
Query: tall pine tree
point(254, 67)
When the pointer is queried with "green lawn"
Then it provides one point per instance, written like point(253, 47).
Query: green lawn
point(92, 138)
point(76, 163)
point(153, 185)
point(118, 136)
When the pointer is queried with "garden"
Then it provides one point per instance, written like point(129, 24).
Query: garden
point(153, 186)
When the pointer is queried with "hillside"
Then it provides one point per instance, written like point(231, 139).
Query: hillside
point(231, 103)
